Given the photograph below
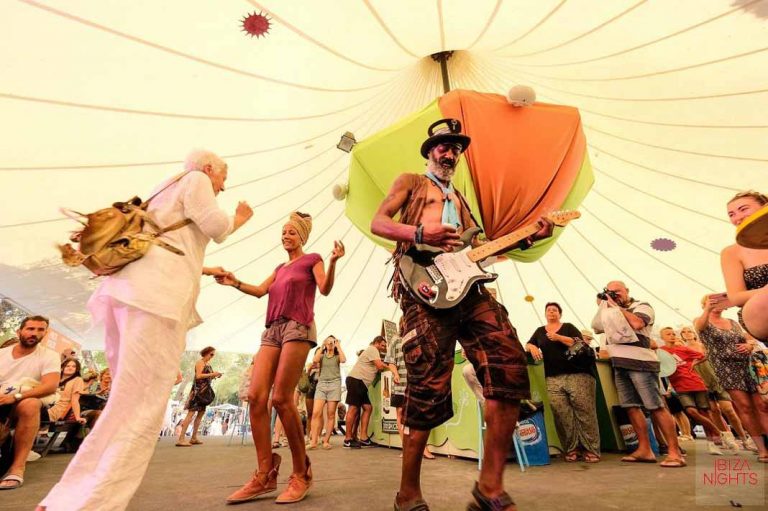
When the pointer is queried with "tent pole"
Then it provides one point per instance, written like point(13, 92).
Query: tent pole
point(442, 58)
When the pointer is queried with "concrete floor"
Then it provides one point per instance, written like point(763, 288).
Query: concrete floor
point(199, 478)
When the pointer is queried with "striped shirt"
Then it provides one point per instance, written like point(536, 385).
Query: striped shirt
point(395, 357)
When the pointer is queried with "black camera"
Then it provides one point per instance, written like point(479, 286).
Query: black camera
point(605, 293)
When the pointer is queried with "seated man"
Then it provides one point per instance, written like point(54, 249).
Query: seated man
point(26, 360)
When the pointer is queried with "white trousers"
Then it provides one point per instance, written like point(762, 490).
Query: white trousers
point(143, 351)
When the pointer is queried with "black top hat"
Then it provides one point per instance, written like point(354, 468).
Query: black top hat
point(444, 131)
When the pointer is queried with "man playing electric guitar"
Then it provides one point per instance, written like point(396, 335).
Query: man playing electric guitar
point(432, 213)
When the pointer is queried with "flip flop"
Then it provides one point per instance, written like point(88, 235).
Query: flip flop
point(416, 505)
point(428, 456)
point(674, 463)
point(196, 442)
point(183, 444)
point(632, 459)
point(12, 478)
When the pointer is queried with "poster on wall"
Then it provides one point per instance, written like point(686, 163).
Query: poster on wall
point(388, 413)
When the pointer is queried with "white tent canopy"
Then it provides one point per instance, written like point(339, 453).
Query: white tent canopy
point(102, 99)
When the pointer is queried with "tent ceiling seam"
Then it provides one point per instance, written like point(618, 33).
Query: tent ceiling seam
point(284, 23)
point(585, 34)
point(189, 56)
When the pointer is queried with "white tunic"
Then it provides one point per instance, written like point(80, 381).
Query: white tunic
point(161, 282)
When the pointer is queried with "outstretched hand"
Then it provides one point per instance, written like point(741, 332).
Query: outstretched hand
point(227, 279)
point(338, 250)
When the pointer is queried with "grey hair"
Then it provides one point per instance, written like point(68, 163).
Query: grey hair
point(199, 158)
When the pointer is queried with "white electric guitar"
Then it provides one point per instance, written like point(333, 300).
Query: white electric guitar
point(442, 279)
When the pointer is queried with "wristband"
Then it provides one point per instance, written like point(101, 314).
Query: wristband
point(418, 236)
point(239, 283)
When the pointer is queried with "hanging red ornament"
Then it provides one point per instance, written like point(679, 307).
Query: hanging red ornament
point(256, 24)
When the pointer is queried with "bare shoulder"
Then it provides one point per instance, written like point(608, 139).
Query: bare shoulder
point(405, 181)
point(398, 193)
point(730, 254)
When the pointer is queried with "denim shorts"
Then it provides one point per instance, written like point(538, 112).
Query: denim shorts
point(638, 388)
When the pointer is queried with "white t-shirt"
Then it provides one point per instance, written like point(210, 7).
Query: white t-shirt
point(38, 363)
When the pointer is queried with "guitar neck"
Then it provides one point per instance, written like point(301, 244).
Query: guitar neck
point(503, 243)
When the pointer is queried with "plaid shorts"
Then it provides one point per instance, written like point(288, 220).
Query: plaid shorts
point(429, 335)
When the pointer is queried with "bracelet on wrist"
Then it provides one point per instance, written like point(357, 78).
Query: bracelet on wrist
point(239, 283)
point(418, 236)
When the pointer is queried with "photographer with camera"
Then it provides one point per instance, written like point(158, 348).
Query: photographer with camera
point(627, 324)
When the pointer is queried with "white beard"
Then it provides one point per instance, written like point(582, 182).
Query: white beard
point(440, 172)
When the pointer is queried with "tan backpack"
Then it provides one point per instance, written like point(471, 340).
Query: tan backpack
point(115, 237)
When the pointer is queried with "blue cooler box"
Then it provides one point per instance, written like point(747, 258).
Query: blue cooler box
point(533, 436)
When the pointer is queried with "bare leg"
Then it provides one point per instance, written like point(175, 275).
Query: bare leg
point(262, 376)
point(286, 378)
point(351, 422)
point(726, 407)
point(761, 408)
point(754, 316)
point(184, 426)
point(310, 406)
point(500, 419)
point(329, 421)
point(709, 428)
point(410, 478)
point(683, 424)
point(317, 421)
point(637, 419)
point(742, 401)
point(667, 426)
point(28, 422)
point(716, 417)
point(196, 425)
point(366, 417)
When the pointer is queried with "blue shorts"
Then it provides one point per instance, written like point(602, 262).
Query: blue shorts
point(638, 388)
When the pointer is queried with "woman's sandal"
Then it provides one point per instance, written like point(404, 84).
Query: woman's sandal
point(571, 456)
point(591, 458)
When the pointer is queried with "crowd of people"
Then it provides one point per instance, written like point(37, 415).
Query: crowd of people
point(145, 316)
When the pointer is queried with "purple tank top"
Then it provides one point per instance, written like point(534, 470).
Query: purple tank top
point(292, 294)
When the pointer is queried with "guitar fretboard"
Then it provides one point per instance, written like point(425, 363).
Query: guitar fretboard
point(503, 243)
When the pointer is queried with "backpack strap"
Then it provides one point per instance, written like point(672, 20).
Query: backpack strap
point(172, 181)
point(174, 226)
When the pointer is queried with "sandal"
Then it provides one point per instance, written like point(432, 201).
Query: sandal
point(483, 503)
point(195, 441)
point(590, 457)
point(183, 444)
point(416, 505)
point(571, 456)
point(276, 445)
point(12, 478)
point(673, 463)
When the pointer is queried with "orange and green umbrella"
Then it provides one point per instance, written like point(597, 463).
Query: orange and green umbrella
point(523, 162)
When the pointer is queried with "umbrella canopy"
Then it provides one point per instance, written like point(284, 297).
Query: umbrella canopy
point(102, 100)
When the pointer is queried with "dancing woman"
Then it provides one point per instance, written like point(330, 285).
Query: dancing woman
point(285, 344)
point(746, 269)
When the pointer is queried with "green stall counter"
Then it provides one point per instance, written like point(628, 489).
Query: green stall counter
point(460, 435)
